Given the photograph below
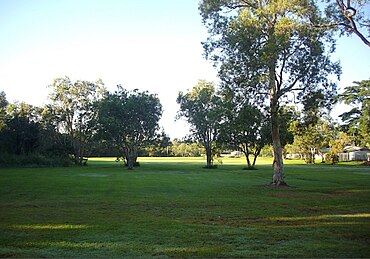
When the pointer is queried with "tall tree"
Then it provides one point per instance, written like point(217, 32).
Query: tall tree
point(72, 104)
point(268, 50)
point(128, 120)
point(201, 108)
point(357, 120)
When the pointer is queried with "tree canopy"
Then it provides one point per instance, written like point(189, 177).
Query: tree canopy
point(357, 120)
point(128, 120)
point(268, 50)
point(201, 107)
point(73, 110)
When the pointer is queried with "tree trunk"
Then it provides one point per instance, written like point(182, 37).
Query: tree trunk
point(131, 157)
point(249, 166)
point(313, 152)
point(256, 154)
point(130, 162)
point(209, 157)
point(278, 176)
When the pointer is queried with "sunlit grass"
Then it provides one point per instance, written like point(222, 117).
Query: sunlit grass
point(194, 160)
point(174, 208)
point(359, 215)
point(51, 226)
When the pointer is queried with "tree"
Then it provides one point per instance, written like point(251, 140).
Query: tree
point(309, 141)
point(128, 120)
point(53, 142)
point(267, 50)
point(22, 132)
point(72, 105)
point(312, 131)
point(349, 17)
point(184, 149)
point(201, 108)
point(337, 145)
point(357, 120)
point(245, 128)
point(159, 147)
point(3, 104)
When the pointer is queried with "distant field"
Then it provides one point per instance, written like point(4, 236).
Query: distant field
point(172, 207)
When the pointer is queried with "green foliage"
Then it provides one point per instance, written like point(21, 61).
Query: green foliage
point(22, 131)
point(73, 110)
point(311, 136)
point(357, 120)
point(28, 137)
point(337, 145)
point(34, 160)
point(3, 105)
point(184, 149)
point(171, 207)
point(160, 146)
point(245, 127)
point(266, 50)
point(128, 121)
point(202, 108)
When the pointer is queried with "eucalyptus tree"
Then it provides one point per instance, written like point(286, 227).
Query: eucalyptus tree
point(201, 107)
point(128, 121)
point(72, 105)
point(268, 50)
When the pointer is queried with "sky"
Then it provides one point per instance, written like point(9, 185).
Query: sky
point(144, 44)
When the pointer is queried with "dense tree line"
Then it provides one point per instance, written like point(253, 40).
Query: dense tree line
point(125, 124)
point(81, 118)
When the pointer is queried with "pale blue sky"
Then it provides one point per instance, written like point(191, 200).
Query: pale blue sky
point(145, 44)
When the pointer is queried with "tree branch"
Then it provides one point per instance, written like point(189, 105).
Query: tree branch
point(349, 13)
point(291, 86)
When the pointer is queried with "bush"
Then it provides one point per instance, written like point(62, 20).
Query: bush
point(34, 160)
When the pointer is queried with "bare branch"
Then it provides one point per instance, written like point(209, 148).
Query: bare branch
point(349, 12)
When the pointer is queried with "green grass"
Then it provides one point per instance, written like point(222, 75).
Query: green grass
point(172, 207)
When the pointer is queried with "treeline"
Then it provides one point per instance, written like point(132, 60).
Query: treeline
point(222, 120)
point(83, 119)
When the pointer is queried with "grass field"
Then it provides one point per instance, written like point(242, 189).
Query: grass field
point(172, 207)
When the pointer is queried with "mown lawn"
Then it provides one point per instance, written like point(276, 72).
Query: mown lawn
point(174, 208)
